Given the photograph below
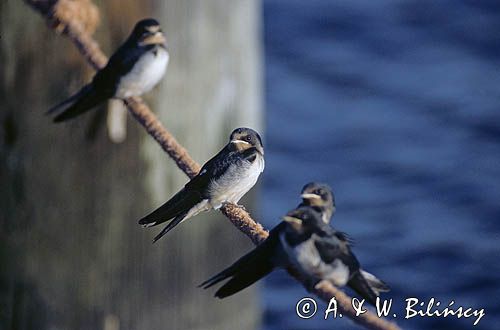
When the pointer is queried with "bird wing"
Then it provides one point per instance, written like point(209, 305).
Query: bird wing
point(327, 231)
point(328, 248)
point(345, 237)
point(85, 90)
point(213, 169)
point(122, 61)
point(331, 248)
point(102, 87)
point(179, 204)
point(195, 191)
point(332, 244)
point(181, 217)
point(87, 98)
point(249, 268)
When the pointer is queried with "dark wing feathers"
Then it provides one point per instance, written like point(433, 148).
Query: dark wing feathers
point(82, 102)
point(256, 266)
point(230, 271)
point(244, 279)
point(177, 220)
point(215, 167)
point(326, 230)
point(193, 192)
point(248, 269)
point(103, 85)
point(337, 246)
point(71, 100)
point(328, 249)
point(123, 60)
point(179, 204)
point(345, 237)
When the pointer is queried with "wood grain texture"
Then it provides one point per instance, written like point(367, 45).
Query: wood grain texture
point(75, 256)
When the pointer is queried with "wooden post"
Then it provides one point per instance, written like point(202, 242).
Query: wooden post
point(71, 253)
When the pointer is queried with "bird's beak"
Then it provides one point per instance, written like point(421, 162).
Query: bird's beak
point(310, 196)
point(239, 141)
point(241, 145)
point(155, 39)
point(294, 222)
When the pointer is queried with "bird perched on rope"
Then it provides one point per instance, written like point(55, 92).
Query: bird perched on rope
point(134, 69)
point(312, 247)
point(321, 197)
point(223, 179)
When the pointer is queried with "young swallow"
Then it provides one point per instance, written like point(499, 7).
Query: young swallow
point(311, 246)
point(319, 195)
point(225, 178)
point(134, 69)
point(320, 252)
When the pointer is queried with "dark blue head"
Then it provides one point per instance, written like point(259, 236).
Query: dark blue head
point(148, 32)
point(245, 138)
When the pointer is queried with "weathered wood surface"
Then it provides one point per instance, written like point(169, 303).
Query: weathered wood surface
point(71, 253)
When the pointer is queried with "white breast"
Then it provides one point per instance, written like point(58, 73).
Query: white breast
point(236, 182)
point(307, 260)
point(145, 75)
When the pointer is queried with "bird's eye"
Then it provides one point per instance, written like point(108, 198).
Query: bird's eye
point(248, 138)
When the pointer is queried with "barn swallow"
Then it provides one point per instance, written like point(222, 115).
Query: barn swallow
point(314, 248)
point(320, 252)
point(134, 69)
point(223, 179)
point(319, 195)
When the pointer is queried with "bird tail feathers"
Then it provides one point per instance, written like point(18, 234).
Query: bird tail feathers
point(244, 272)
point(179, 204)
point(177, 220)
point(83, 101)
point(359, 284)
point(376, 284)
point(72, 99)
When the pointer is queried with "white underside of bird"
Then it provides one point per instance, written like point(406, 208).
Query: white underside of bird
point(236, 182)
point(231, 186)
point(145, 74)
point(305, 257)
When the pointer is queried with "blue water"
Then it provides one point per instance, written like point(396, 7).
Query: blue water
point(396, 104)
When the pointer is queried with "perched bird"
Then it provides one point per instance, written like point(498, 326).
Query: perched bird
point(319, 195)
point(323, 253)
point(311, 246)
point(225, 178)
point(134, 69)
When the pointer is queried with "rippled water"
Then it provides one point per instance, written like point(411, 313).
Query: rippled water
point(396, 104)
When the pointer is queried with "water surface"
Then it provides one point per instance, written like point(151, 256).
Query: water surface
point(396, 105)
